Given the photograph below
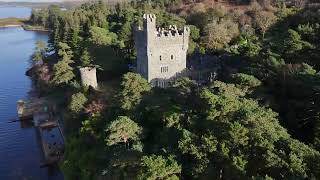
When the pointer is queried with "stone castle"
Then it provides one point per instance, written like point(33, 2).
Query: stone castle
point(161, 53)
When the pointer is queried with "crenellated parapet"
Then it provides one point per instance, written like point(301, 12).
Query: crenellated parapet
point(154, 35)
point(149, 17)
point(172, 31)
point(172, 36)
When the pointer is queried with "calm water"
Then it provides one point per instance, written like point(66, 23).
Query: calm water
point(20, 152)
point(9, 11)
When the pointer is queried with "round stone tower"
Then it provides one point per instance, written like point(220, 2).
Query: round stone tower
point(89, 77)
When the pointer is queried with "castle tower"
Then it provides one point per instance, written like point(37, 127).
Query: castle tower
point(161, 53)
point(89, 77)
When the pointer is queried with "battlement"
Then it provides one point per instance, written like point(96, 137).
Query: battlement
point(171, 35)
point(149, 17)
point(149, 25)
point(172, 31)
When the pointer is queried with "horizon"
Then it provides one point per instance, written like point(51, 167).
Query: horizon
point(33, 1)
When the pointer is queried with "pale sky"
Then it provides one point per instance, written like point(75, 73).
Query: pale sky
point(31, 0)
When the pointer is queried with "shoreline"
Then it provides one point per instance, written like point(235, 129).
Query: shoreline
point(30, 28)
point(27, 27)
point(21, 22)
point(10, 25)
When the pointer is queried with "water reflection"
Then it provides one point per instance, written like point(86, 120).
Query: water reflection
point(21, 155)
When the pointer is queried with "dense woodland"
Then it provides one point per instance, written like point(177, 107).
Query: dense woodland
point(259, 119)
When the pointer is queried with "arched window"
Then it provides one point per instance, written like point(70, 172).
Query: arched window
point(171, 57)
point(160, 58)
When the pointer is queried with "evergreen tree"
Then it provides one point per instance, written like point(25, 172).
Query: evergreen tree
point(62, 71)
point(158, 167)
point(122, 130)
point(133, 87)
point(85, 58)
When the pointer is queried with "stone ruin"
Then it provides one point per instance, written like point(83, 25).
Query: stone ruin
point(89, 77)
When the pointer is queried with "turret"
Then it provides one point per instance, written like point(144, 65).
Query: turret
point(186, 34)
point(149, 26)
point(89, 77)
point(149, 22)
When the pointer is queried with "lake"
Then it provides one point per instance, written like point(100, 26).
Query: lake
point(9, 11)
point(20, 150)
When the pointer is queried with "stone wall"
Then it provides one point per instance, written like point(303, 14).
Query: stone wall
point(89, 77)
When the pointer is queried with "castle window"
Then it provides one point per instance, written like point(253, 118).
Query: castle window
point(171, 57)
point(161, 83)
point(160, 58)
point(164, 69)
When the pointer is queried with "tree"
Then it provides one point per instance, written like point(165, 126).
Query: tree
point(77, 103)
point(158, 167)
point(295, 46)
point(133, 87)
point(245, 81)
point(62, 71)
point(240, 138)
point(247, 44)
point(219, 34)
point(122, 130)
point(264, 20)
point(316, 140)
point(39, 51)
point(101, 37)
point(80, 158)
point(85, 58)
point(197, 150)
point(39, 17)
point(96, 107)
point(192, 131)
point(194, 37)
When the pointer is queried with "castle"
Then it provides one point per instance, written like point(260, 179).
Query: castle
point(161, 54)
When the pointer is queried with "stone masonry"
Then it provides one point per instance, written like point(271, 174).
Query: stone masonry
point(89, 77)
point(161, 53)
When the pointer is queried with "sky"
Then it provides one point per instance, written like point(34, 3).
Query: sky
point(30, 0)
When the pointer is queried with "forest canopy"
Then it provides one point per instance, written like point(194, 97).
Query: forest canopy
point(258, 118)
